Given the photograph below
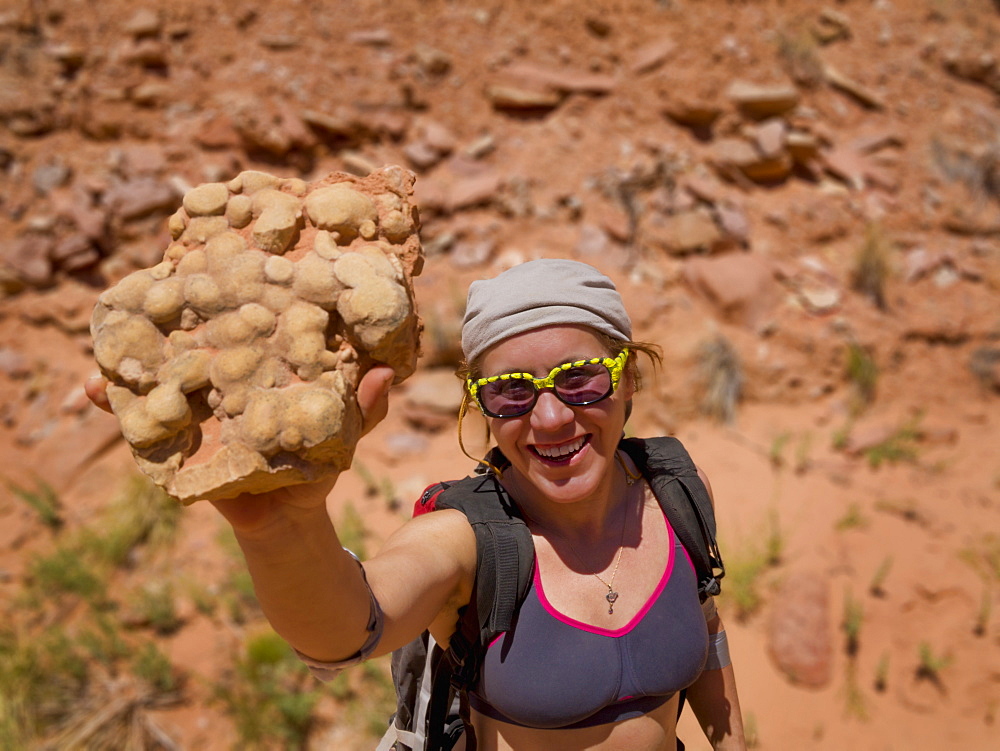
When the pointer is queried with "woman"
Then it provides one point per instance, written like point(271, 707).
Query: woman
point(611, 629)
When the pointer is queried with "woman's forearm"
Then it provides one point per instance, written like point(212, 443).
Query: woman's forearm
point(716, 704)
point(311, 590)
point(713, 697)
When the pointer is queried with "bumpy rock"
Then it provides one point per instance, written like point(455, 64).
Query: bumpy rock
point(234, 362)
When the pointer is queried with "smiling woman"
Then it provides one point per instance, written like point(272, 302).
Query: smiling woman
point(609, 632)
point(570, 592)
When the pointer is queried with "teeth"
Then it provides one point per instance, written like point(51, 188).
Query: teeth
point(556, 451)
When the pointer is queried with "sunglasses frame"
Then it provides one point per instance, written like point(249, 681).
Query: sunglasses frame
point(615, 366)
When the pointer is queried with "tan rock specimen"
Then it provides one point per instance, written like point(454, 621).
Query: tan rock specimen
point(233, 363)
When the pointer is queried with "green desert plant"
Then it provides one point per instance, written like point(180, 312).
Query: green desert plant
point(141, 514)
point(777, 451)
point(856, 704)
point(877, 586)
point(898, 447)
point(775, 541)
point(872, 267)
point(984, 363)
point(882, 673)
point(63, 572)
point(750, 731)
point(70, 677)
point(853, 619)
point(978, 169)
point(862, 375)
point(799, 52)
point(802, 450)
point(984, 613)
point(269, 695)
point(42, 676)
point(853, 518)
point(930, 665)
point(906, 509)
point(43, 500)
point(154, 668)
point(352, 532)
point(720, 373)
point(153, 605)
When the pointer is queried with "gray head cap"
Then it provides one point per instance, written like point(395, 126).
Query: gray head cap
point(540, 293)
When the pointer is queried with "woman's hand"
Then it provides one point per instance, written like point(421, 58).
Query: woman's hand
point(250, 512)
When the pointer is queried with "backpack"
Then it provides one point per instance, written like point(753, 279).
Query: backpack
point(432, 707)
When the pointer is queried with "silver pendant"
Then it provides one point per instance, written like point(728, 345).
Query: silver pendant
point(611, 596)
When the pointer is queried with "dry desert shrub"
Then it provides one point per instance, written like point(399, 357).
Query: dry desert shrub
point(872, 267)
point(720, 374)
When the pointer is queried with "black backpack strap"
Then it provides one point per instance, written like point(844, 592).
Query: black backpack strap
point(684, 498)
point(505, 557)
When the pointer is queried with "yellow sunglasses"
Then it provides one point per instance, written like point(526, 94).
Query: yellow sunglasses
point(575, 383)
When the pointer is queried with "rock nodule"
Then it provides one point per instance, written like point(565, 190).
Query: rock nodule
point(233, 363)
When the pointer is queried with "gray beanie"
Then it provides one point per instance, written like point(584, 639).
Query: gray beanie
point(540, 293)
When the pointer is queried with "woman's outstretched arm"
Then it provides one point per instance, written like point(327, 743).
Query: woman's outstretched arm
point(312, 591)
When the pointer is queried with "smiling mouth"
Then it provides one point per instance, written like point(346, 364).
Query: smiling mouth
point(563, 452)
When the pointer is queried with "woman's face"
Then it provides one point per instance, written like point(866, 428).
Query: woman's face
point(561, 452)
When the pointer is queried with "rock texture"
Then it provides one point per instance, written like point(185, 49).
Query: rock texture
point(234, 361)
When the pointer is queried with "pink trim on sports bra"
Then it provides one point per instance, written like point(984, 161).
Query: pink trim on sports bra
point(551, 610)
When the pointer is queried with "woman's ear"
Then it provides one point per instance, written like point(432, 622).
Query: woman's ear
point(627, 385)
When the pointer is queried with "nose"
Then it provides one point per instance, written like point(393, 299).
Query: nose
point(550, 413)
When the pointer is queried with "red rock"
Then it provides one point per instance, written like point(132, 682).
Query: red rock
point(729, 154)
point(371, 37)
point(691, 112)
point(69, 246)
point(770, 137)
point(421, 155)
point(560, 80)
point(762, 101)
point(593, 242)
point(138, 198)
point(28, 257)
point(150, 53)
point(847, 165)
point(865, 437)
point(473, 191)
point(144, 22)
point(652, 56)
point(614, 221)
point(432, 60)
point(467, 254)
point(143, 159)
point(437, 136)
point(799, 635)
point(217, 132)
point(741, 286)
point(802, 146)
point(515, 98)
point(848, 85)
point(679, 234)
point(734, 222)
point(14, 364)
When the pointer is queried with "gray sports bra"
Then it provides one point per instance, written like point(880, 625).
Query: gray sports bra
point(551, 671)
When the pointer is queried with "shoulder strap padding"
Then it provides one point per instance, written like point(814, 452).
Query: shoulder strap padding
point(684, 499)
point(505, 558)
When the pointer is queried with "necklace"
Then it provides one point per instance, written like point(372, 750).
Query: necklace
point(612, 593)
point(629, 477)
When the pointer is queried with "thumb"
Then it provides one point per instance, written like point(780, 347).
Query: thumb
point(373, 395)
point(96, 389)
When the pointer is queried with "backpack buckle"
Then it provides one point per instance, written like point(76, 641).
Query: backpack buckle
point(710, 587)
